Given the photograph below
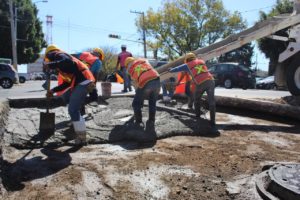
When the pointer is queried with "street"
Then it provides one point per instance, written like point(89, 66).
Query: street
point(33, 89)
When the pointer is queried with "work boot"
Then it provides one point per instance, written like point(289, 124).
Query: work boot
point(213, 129)
point(150, 124)
point(138, 117)
point(124, 91)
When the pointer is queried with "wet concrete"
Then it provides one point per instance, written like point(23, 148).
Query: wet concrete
point(111, 121)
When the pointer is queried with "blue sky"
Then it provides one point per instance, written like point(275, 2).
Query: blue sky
point(82, 24)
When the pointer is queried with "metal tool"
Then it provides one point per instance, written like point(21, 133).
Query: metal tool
point(47, 119)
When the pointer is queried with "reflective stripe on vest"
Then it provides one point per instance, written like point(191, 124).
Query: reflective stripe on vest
point(142, 73)
point(88, 58)
point(199, 71)
point(84, 70)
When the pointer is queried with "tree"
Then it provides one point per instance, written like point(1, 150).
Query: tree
point(272, 48)
point(181, 26)
point(241, 55)
point(29, 31)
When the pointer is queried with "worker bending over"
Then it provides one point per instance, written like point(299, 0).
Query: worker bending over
point(204, 82)
point(78, 78)
point(94, 61)
point(147, 84)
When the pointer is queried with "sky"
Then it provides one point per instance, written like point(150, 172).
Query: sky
point(78, 25)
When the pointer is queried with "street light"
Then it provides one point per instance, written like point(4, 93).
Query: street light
point(144, 31)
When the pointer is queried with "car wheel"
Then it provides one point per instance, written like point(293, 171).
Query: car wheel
point(273, 87)
point(228, 83)
point(22, 79)
point(6, 83)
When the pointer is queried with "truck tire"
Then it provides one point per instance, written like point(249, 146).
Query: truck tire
point(293, 77)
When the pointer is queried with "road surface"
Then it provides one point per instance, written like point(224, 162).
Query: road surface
point(33, 89)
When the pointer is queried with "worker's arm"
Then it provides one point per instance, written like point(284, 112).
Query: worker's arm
point(60, 60)
point(61, 87)
point(96, 67)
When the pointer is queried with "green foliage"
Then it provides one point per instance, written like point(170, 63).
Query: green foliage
point(181, 26)
point(241, 55)
point(29, 31)
point(272, 48)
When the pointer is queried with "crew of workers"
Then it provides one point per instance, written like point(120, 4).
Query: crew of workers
point(79, 74)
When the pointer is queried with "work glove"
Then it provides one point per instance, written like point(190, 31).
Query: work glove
point(49, 94)
point(90, 87)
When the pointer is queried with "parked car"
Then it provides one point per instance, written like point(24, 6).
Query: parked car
point(37, 76)
point(23, 77)
point(8, 76)
point(267, 83)
point(233, 75)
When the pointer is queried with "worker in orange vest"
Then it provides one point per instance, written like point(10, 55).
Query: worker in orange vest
point(94, 61)
point(203, 81)
point(147, 83)
point(78, 78)
point(185, 76)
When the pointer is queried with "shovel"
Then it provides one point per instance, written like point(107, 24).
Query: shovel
point(47, 119)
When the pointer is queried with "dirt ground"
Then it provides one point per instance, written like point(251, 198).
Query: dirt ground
point(197, 166)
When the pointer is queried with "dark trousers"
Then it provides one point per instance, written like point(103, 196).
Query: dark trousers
point(150, 91)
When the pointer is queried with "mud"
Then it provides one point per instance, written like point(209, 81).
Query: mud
point(185, 161)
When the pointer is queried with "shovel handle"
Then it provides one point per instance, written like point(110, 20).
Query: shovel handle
point(48, 90)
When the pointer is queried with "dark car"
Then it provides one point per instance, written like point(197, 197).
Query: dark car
point(266, 83)
point(233, 75)
point(8, 76)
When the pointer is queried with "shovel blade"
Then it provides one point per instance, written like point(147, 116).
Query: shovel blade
point(47, 123)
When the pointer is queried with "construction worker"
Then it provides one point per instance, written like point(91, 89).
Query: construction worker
point(187, 90)
point(121, 61)
point(94, 61)
point(204, 82)
point(78, 78)
point(147, 83)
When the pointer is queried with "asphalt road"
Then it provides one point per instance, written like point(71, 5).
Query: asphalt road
point(33, 89)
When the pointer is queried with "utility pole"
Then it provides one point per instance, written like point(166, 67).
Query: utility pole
point(13, 25)
point(144, 31)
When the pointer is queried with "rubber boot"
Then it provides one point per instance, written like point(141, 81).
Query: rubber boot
point(80, 131)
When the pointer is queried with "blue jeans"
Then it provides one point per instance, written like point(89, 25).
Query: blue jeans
point(75, 98)
point(150, 91)
point(127, 80)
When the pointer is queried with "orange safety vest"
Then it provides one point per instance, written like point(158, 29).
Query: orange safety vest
point(199, 71)
point(88, 58)
point(70, 78)
point(142, 72)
